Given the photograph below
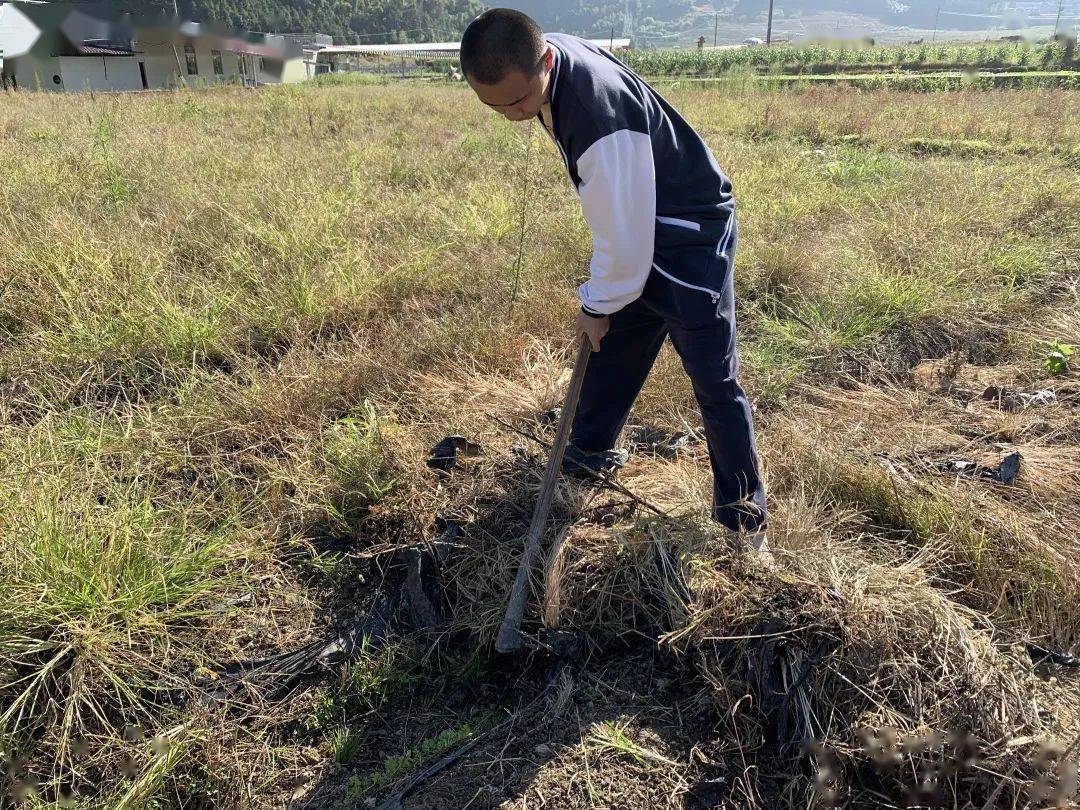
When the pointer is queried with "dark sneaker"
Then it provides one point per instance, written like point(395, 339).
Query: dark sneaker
point(577, 462)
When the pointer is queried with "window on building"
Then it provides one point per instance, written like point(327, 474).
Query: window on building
point(192, 64)
point(219, 69)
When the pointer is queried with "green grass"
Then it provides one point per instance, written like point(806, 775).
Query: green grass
point(348, 79)
point(353, 450)
point(346, 746)
point(366, 684)
point(612, 738)
point(398, 766)
point(101, 587)
point(146, 787)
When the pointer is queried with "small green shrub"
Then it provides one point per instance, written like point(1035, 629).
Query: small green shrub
point(1057, 358)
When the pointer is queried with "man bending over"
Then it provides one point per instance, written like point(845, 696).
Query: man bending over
point(662, 217)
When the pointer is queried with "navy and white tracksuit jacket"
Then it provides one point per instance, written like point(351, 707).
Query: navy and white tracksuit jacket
point(662, 217)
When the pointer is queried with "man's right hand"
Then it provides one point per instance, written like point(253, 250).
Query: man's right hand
point(594, 328)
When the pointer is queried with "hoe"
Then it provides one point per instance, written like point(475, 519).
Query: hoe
point(509, 638)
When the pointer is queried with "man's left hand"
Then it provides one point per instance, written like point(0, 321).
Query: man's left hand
point(594, 328)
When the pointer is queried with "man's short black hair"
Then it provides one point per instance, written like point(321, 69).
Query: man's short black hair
point(498, 42)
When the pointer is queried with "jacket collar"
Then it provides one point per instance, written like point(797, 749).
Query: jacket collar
point(553, 86)
point(555, 71)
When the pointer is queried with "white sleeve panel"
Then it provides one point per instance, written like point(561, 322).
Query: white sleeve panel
point(618, 197)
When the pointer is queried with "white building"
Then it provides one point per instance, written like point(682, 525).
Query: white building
point(62, 47)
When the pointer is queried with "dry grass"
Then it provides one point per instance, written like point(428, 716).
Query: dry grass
point(233, 323)
point(893, 637)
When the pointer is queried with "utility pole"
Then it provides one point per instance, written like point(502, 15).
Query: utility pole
point(611, 42)
point(715, 28)
point(1058, 20)
point(768, 31)
point(175, 10)
point(936, 16)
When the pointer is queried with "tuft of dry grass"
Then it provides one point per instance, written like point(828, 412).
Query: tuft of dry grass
point(1006, 547)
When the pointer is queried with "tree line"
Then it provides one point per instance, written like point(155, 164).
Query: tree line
point(349, 21)
point(375, 21)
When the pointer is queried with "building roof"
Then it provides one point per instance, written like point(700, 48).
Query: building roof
point(403, 49)
point(90, 49)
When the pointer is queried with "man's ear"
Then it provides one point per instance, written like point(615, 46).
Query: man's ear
point(549, 59)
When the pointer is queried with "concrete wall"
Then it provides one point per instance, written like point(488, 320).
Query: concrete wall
point(295, 71)
point(205, 66)
point(122, 73)
point(83, 72)
point(77, 73)
point(162, 70)
point(160, 65)
point(280, 71)
point(230, 65)
point(33, 72)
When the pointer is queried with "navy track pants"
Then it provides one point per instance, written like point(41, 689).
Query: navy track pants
point(701, 325)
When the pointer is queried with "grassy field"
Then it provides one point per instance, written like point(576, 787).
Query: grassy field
point(232, 324)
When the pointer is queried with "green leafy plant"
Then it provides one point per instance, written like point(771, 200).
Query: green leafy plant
point(1056, 360)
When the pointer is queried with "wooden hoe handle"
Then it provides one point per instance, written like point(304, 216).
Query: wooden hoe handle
point(510, 633)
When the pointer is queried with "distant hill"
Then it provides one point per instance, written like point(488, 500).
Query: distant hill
point(598, 17)
point(397, 21)
point(376, 21)
point(914, 13)
point(631, 17)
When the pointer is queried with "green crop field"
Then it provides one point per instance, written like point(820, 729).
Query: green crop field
point(854, 59)
point(233, 323)
point(944, 81)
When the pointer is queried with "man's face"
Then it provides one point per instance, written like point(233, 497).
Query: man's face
point(518, 97)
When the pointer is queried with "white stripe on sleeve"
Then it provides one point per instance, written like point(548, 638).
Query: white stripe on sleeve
point(618, 198)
